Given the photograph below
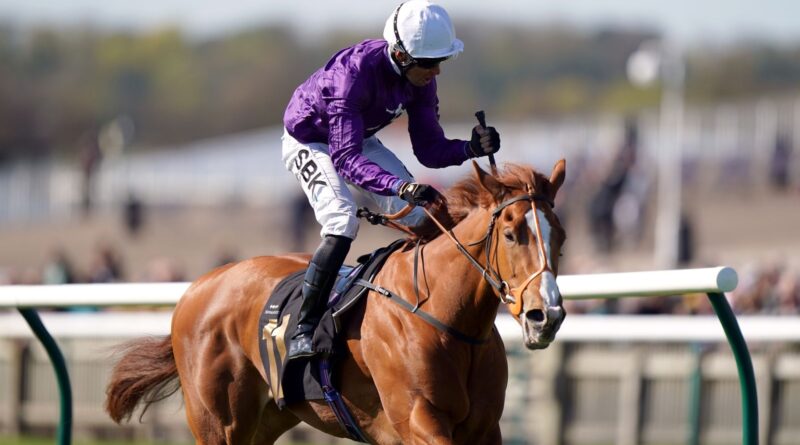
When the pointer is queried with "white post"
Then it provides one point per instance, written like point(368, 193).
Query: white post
point(670, 158)
point(651, 61)
point(794, 168)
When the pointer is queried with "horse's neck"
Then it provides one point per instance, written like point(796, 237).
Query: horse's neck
point(453, 289)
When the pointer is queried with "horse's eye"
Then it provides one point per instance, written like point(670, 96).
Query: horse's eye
point(509, 235)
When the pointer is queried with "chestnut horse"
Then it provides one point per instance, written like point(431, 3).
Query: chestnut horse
point(404, 380)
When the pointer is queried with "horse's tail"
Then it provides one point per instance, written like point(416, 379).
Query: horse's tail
point(146, 373)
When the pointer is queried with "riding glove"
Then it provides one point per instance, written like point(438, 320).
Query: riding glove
point(486, 144)
point(418, 194)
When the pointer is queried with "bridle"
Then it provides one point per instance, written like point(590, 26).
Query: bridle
point(512, 297)
point(507, 295)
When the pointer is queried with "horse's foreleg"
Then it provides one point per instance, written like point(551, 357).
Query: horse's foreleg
point(428, 425)
point(492, 436)
point(273, 424)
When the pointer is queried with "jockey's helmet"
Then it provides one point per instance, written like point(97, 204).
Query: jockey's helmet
point(422, 30)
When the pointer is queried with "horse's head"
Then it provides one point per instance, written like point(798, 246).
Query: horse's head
point(526, 248)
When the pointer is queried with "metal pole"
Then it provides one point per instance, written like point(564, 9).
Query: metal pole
point(695, 395)
point(64, 433)
point(670, 158)
point(744, 364)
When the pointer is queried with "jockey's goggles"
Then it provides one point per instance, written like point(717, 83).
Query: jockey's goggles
point(429, 63)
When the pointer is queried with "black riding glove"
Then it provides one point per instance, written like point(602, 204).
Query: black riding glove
point(418, 194)
point(488, 143)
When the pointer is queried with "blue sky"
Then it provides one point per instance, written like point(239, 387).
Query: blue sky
point(685, 21)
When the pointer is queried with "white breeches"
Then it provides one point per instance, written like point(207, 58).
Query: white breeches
point(327, 192)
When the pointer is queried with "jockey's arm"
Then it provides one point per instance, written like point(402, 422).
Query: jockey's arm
point(430, 145)
point(345, 144)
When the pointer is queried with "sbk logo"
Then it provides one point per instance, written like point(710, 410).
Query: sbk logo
point(308, 171)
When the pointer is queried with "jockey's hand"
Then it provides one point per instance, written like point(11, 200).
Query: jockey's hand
point(419, 194)
point(485, 141)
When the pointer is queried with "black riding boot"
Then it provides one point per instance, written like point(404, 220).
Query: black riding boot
point(319, 279)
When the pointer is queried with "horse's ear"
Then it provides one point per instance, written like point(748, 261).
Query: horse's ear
point(488, 182)
point(557, 177)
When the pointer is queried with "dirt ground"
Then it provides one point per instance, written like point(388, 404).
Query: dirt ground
point(738, 228)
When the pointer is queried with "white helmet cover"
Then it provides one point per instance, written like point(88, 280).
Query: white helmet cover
point(424, 29)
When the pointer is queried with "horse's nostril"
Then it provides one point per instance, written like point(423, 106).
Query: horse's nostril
point(535, 315)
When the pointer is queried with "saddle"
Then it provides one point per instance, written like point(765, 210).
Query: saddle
point(302, 379)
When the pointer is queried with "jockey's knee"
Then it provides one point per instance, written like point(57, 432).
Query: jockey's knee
point(340, 224)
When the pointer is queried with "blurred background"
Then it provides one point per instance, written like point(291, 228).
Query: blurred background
point(141, 142)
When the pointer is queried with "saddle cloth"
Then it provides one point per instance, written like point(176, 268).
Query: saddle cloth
point(298, 380)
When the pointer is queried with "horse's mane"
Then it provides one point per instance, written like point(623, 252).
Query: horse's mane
point(468, 194)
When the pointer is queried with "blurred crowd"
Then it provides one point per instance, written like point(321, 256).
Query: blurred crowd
point(766, 288)
point(106, 265)
point(620, 197)
point(772, 289)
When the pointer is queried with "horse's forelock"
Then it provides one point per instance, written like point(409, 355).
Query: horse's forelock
point(468, 194)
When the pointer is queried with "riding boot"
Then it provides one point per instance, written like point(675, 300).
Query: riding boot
point(317, 284)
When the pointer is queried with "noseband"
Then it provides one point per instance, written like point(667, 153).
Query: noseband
point(507, 295)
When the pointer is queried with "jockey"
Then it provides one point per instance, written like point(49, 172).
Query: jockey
point(329, 139)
